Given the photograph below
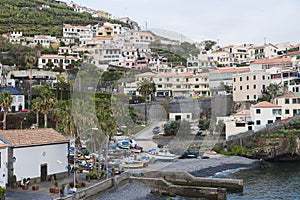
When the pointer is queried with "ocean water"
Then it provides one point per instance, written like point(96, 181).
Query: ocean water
point(279, 182)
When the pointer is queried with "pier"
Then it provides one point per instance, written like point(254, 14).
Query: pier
point(165, 183)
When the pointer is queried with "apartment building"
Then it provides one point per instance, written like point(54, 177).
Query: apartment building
point(266, 51)
point(249, 86)
point(223, 76)
point(53, 61)
point(290, 104)
point(177, 84)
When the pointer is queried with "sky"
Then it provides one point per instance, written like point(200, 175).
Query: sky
point(225, 21)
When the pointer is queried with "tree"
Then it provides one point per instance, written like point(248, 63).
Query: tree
point(5, 102)
point(47, 104)
point(146, 88)
point(178, 126)
point(36, 108)
point(272, 91)
point(203, 123)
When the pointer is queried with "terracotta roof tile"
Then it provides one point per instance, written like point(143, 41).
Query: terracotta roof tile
point(243, 113)
point(275, 60)
point(230, 70)
point(32, 137)
point(266, 104)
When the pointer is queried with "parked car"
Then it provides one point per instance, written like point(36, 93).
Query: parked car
point(190, 153)
point(156, 130)
point(179, 97)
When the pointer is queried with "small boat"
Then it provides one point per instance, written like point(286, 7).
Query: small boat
point(133, 164)
point(162, 155)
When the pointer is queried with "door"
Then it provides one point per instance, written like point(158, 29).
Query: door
point(44, 172)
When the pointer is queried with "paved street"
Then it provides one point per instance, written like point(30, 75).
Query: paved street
point(144, 137)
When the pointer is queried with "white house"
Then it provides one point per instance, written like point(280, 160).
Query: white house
point(18, 98)
point(264, 113)
point(33, 153)
point(180, 116)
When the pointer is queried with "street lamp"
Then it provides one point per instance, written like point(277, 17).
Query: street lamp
point(24, 119)
point(75, 154)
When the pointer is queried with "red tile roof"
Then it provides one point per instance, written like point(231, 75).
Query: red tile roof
point(243, 113)
point(275, 60)
point(230, 70)
point(266, 104)
point(33, 137)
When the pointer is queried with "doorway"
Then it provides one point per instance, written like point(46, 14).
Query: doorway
point(44, 172)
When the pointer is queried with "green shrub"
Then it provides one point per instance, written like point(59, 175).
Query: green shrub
point(2, 191)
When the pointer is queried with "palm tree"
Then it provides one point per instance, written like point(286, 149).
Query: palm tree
point(5, 102)
point(47, 104)
point(146, 88)
point(37, 109)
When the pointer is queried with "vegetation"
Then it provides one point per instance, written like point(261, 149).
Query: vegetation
point(272, 91)
point(5, 103)
point(176, 127)
point(235, 151)
point(146, 88)
point(33, 19)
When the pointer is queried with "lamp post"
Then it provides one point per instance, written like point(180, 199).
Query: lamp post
point(24, 119)
point(75, 153)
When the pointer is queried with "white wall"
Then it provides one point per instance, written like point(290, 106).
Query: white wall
point(3, 168)
point(29, 160)
point(265, 115)
point(184, 116)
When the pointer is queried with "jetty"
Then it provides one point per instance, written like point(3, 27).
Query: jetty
point(165, 183)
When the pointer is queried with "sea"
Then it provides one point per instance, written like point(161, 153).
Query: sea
point(278, 181)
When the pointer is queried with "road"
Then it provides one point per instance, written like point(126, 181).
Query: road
point(144, 137)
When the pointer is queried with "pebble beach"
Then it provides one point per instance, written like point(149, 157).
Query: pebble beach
point(197, 167)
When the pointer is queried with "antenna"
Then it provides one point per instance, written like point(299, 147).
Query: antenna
point(146, 25)
point(265, 40)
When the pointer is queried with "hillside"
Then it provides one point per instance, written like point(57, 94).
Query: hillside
point(31, 17)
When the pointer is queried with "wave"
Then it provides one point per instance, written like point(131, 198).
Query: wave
point(227, 172)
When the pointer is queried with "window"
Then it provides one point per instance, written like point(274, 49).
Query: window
point(287, 111)
point(160, 79)
point(254, 97)
point(254, 86)
point(276, 111)
point(247, 87)
point(257, 111)
point(248, 97)
point(188, 116)
point(241, 87)
point(234, 79)
point(287, 101)
point(254, 77)
point(177, 80)
point(257, 122)
point(159, 86)
point(270, 121)
point(178, 86)
point(263, 77)
point(294, 101)
point(241, 78)
point(247, 78)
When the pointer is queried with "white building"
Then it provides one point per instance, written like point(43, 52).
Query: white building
point(180, 116)
point(56, 60)
point(18, 103)
point(33, 153)
point(264, 113)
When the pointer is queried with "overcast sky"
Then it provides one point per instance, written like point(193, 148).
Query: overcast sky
point(226, 21)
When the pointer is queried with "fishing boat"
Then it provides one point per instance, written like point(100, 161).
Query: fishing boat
point(162, 155)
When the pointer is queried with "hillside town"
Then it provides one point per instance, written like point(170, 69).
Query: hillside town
point(244, 88)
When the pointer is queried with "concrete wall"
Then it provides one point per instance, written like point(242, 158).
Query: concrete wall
point(99, 187)
point(3, 166)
